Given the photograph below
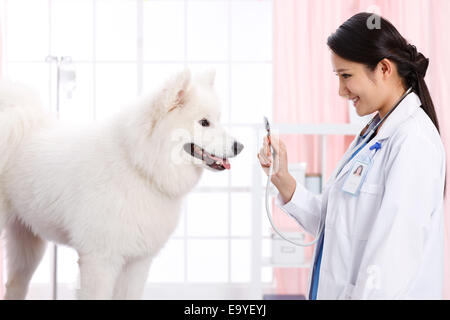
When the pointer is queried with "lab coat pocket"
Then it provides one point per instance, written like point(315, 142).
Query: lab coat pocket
point(368, 203)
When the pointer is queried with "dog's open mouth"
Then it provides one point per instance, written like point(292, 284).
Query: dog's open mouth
point(210, 160)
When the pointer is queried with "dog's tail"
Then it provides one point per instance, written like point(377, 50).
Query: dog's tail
point(21, 113)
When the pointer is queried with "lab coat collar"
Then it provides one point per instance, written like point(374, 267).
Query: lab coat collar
point(403, 111)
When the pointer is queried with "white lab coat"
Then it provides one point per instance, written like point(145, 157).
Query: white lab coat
point(387, 242)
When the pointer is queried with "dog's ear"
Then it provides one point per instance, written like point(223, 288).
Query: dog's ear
point(177, 89)
point(207, 77)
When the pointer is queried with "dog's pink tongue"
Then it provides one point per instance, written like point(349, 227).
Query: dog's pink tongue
point(226, 164)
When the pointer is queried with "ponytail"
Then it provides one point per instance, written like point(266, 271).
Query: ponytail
point(415, 78)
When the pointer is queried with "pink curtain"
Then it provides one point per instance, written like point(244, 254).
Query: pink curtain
point(306, 89)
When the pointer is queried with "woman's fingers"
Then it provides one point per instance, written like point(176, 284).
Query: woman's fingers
point(266, 146)
point(266, 153)
point(277, 158)
point(275, 142)
point(262, 159)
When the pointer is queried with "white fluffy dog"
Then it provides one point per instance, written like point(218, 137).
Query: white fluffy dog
point(112, 190)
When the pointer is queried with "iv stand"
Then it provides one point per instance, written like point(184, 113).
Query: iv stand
point(54, 273)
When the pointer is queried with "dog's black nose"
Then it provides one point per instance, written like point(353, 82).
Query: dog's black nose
point(237, 148)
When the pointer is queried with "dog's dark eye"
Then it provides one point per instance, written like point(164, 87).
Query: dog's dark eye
point(204, 123)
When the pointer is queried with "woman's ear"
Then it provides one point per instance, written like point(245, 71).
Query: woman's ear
point(386, 67)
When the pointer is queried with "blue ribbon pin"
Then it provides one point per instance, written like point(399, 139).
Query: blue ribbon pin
point(376, 147)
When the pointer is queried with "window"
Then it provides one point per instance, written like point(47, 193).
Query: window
point(122, 48)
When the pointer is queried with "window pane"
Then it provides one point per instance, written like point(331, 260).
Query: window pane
point(267, 248)
point(251, 23)
point(116, 87)
point(241, 260)
point(35, 75)
point(207, 261)
point(251, 92)
point(155, 75)
point(80, 106)
point(214, 179)
point(207, 214)
point(116, 30)
point(241, 174)
point(267, 274)
point(68, 270)
point(164, 20)
point(207, 30)
point(168, 265)
point(27, 30)
point(266, 226)
point(72, 32)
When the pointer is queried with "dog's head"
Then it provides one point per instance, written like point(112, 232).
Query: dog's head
point(182, 128)
point(192, 120)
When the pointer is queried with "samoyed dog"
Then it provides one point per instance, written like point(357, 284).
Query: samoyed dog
point(111, 190)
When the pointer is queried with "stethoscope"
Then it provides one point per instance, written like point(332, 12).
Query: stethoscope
point(368, 135)
point(366, 138)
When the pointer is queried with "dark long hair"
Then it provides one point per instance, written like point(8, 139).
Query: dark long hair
point(359, 41)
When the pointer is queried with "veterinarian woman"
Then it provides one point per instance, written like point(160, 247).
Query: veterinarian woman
point(383, 236)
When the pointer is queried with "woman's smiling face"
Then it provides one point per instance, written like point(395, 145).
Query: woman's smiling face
point(359, 84)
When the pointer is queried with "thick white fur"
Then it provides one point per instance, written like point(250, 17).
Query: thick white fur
point(112, 190)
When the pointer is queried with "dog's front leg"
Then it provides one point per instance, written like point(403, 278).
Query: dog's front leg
point(131, 281)
point(97, 277)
